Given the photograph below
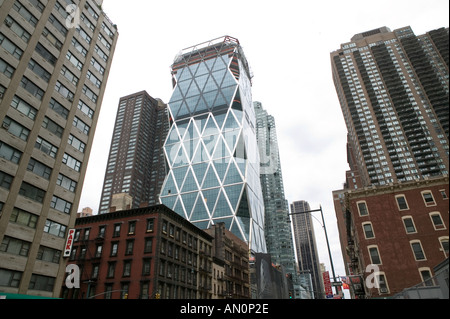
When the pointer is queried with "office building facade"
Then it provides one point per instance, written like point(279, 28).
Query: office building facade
point(136, 165)
point(55, 58)
point(305, 242)
point(393, 88)
point(211, 149)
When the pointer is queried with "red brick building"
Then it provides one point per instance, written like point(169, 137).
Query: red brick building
point(142, 253)
point(401, 228)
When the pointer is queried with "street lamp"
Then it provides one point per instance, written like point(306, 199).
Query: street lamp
point(328, 243)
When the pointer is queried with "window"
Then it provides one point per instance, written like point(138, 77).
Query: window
point(401, 202)
point(32, 192)
point(148, 245)
point(427, 278)
point(39, 282)
point(126, 268)
point(374, 255)
point(76, 143)
point(49, 254)
point(117, 230)
point(443, 194)
point(32, 88)
point(131, 227)
point(362, 208)
point(50, 58)
point(71, 162)
point(39, 70)
point(10, 278)
point(408, 222)
point(444, 245)
point(46, 147)
point(61, 205)
point(114, 249)
point(98, 251)
point(15, 128)
point(58, 108)
point(9, 153)
point(111, 269)
point(67, 183)
point(382, 284)
point(54, 228)
point(428, 198)
point(24, 218)
point(15, 246)
point(39, 169)
point(14, 50)
point(368, 230)
point(417, 250)
point(150, 225)
point(24, 108)
point(437, 221)
point(129, 247)
point(52, 127)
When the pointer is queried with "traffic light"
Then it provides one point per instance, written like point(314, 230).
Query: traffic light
point(157, 296)
point(290, 294)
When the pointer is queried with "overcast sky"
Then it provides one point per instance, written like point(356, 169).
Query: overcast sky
point(288, 45)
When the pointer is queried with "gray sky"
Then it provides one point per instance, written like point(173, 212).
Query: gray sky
point(288, 45)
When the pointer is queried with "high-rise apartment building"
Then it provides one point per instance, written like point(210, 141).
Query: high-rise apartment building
point(305, 242)
point(393, 88)
point(136, 164)
point(277, 228)
point(211, 148)
point(55, 58)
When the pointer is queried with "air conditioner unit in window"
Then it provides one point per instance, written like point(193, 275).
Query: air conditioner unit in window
point(383, 290)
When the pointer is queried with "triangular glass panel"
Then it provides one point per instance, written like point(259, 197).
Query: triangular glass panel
point(231, 139)
point(189, 201)
point(191, 132)
point(220, 118)
point(173, 136)
point(176, 95)
point(210, 143)
point(175, 107)
point(199, 212)
point(179, 209)
point(189, 183)
point(184, 87)
point(200, 171)
point(179, 175)
point(221, 149)
point(222, 208)
point(210, 97)
point(233, 175)
point(182, 127)
point(169, 202)
point(221, 166)
point(234, 193)
point(210, 63)
point(201, 155)
point(240, 151)
point(236, 231)
point(218, 76)
point(200, 122)
point(193, 90)
point(171, 152)
point(202, 107)
point(242, 164)
point(239, 115)
point(201, 81)
point(169, 187)
point(243, 210)
point(220, 101)
point(210, 197)
point(229, 80)
point(228, 93)
point(220, 64)
point(202, 224)
point(183, 112)
point(181, 158)
point(190, 147)
point(202, 69)
point(210, 179)
point(210, 85)
point(211, 128)
point(231, 123)
point(193, 68)
point(192, 102)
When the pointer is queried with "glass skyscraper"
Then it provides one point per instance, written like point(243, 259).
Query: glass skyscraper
point(211, 149)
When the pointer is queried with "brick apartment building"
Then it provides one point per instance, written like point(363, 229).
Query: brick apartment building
point(152, 252)
point(402, 228)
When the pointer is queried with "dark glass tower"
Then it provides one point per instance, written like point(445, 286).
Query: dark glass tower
point(211, 149)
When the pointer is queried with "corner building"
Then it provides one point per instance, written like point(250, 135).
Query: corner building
point(53, 78)
point(211, 149)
